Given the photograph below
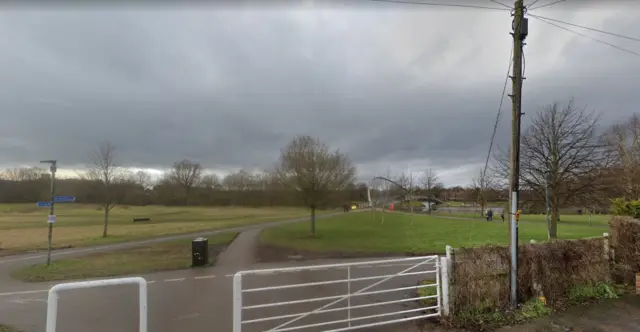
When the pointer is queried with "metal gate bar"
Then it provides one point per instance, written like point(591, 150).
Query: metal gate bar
point(238, 298)
point(52, 302)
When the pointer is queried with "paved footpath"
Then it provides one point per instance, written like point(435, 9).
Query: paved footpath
point(40, 257)
point(198, 299)
point(201, 299)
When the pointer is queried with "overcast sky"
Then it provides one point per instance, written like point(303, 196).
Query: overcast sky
point(394, 85)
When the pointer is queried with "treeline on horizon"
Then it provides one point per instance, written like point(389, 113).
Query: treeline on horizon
point(241, 188)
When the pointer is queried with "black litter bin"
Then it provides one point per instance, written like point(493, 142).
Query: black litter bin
point(199, 252)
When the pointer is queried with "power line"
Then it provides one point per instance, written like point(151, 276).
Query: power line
point(549, 4)
point(587, 28)
point(440, 4)
point(533, 3)
point(495, 125)
point(589, 37)
point(501, 4)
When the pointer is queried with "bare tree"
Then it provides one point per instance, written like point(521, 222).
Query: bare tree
point(241, 180)
point(407, 182)
point(624, 143)
point(307, 166)
point(23, 173)
point(210, 181)
point(104, 171)
point(561, 148)
point(481, 184)
point(429, 181)
point(142, 179)
point(186, 174)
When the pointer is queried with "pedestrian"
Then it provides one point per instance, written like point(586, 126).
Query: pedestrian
point(490, 215)
point(502, 215)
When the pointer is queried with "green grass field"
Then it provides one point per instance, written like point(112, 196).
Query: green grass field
point(357, 232)
point(596, 219)
point(23, 227)
point(174, 255)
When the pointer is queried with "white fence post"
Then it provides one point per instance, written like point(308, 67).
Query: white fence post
point(438, 285)
point(349, 294)
point(444, 271)
point(449, 251)
point(142, 302)
point(607, 254)
point(237, 302)
point(52, 302)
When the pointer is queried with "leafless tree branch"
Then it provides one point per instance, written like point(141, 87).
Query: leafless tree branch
point(307, 166)
point(561, 147)
point(105, 172)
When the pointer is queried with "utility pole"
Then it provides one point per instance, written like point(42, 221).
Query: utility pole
point(52, 215)
point(548, 205)
point(520, 31)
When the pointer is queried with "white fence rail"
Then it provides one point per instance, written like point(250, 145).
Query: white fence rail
point(52, 302)
point(344, 318)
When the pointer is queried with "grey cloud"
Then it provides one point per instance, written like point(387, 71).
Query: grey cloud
point(229, 88)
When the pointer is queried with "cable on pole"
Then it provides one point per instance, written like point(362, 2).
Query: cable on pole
point(533, 3)
point(587, 36)
point(585, 27)
point(495, 125)
point(549, 4)
point(501, 4)
point(440, 4)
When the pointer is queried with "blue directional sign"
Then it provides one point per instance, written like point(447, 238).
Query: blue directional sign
point(64, 199)
point(43, 204)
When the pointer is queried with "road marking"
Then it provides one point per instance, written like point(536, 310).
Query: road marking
point(189, 316)
point(25, 292)
point(151, 281)
point(172, 280)
point(25, 301)
point(205, 277)
point(229, 275)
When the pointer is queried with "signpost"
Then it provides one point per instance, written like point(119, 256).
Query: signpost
point(64, 199)
point(57, 199)
point(52, 217)
point(43, 204)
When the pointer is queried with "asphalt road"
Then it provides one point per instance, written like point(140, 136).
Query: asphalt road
point(201, 300)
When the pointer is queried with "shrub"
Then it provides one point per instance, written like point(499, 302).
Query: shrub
point(621, 207)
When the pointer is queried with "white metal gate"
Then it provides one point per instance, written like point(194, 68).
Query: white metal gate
point(345, 317)
point(52, 302)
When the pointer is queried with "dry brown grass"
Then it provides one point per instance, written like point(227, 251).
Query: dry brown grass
point(174, 255)
point(24, 229)
point(625, 242)
point(481, 275)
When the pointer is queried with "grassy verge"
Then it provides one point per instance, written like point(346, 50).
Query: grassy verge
point(488, 319)
point(159, 257)
point(358, 232)
point(24, 228)
point(426, 292)
point(5, 328)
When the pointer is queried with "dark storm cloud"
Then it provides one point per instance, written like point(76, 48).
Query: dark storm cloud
point(229, 88)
